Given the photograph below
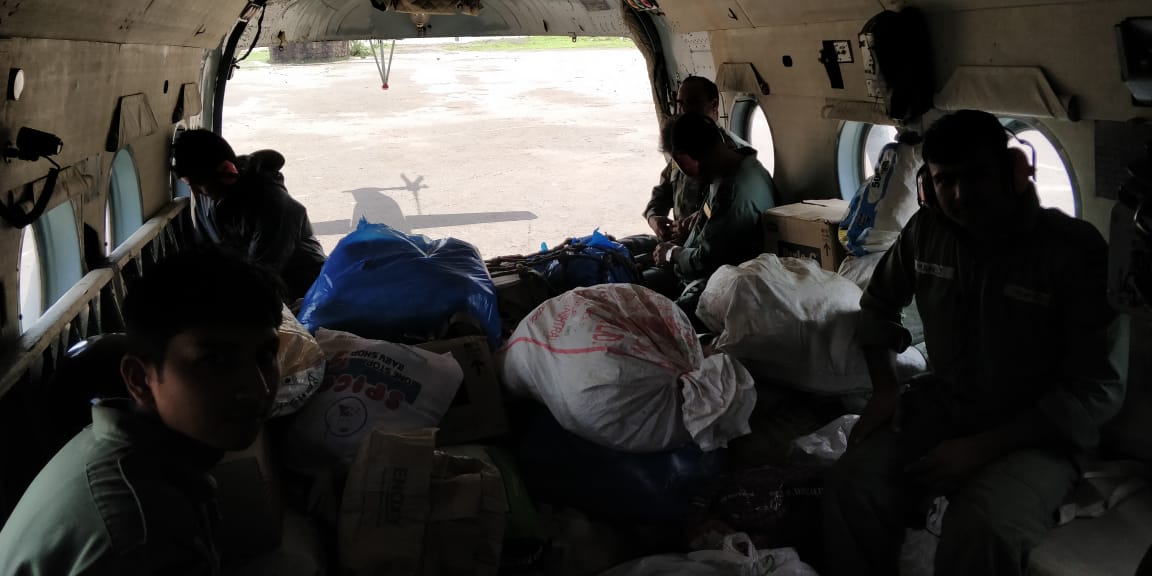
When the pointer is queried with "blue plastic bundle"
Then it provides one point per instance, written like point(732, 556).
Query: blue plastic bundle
point(563, 469)
point(587, 261)
point(383, 284)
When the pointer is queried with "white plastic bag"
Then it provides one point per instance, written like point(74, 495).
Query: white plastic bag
point(301, 364)
point(368, 384)
point(620, 365)
point(737, 558)
point(860, 270)
point(918, 553)
point(791, 323)
point(829, 443)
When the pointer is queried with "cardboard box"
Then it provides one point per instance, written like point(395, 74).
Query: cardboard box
point(477, 412)
point(809, 229)
point(410, 509)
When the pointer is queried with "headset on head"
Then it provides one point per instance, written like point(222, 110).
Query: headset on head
point(1016, 167)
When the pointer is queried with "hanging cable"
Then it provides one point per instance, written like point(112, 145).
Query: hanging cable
point(385, 69)
point(256, 40)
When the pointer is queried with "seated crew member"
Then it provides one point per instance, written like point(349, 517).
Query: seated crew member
point(242, 204)
point(728, 229)
point(676, 192)
point(1016, 321)
point(131, 493)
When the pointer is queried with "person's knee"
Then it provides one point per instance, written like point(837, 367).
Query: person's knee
point(857, 475)
point(979, 536)
point(983, 522)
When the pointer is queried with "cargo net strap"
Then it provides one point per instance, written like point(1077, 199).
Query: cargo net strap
point(469, 7)
point(384, 67)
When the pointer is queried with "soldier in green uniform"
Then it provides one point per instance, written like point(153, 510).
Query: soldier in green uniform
point(131, 493)
point(676, 192)
point(727, 231)
point(1019, 335)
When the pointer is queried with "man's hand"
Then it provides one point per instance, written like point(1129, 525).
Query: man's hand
point(662, 226)
point(683, 228)
point(881, 411)
point(954, 459)
point(666, 253)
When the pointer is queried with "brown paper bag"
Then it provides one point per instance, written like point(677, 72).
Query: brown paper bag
point(386, 504)
point(469, 514)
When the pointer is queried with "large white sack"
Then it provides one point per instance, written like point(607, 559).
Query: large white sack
point(792, 323)
point(368, 384)
point(620, 365)
point(301, 366)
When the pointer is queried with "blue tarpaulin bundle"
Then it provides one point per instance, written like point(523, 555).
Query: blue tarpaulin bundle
point(383, 284)
point(587, 261)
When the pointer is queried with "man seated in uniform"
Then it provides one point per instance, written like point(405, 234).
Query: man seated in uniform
point(727, 230)
point(131, 493)
point(676, 192)
point(241, 203)
point(1019, 332)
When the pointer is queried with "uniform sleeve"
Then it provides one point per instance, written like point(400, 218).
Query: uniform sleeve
point(276, 228)
point(731, 222)
point(891, 289)
point(1092, 391)
point(663, 194)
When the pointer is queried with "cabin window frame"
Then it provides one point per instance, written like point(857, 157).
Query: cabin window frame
point(124, 207)
point(853, 166)
point(30, 280)
point(742, 123)
point(59, 260)
point(1019, 127)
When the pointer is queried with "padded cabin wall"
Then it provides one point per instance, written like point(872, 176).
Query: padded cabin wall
point(805, 148)
point(1073, 42)
point(72, 89)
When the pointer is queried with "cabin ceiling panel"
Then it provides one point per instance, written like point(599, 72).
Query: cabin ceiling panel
point(202, 23)
point(314, 20)
point(694, 15)
point(765, 13)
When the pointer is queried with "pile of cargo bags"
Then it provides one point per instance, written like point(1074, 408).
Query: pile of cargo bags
point(548, 414)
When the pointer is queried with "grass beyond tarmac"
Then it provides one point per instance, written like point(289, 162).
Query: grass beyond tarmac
point(540, 43)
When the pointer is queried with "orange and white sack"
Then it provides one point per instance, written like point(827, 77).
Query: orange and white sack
point(301, 364)
point(620, 365)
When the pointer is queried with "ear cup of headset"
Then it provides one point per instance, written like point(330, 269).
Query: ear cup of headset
point(924, 188)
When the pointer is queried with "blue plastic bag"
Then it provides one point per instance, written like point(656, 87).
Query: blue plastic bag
point(563, 469)
point(589, 261)
point(383, 284)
